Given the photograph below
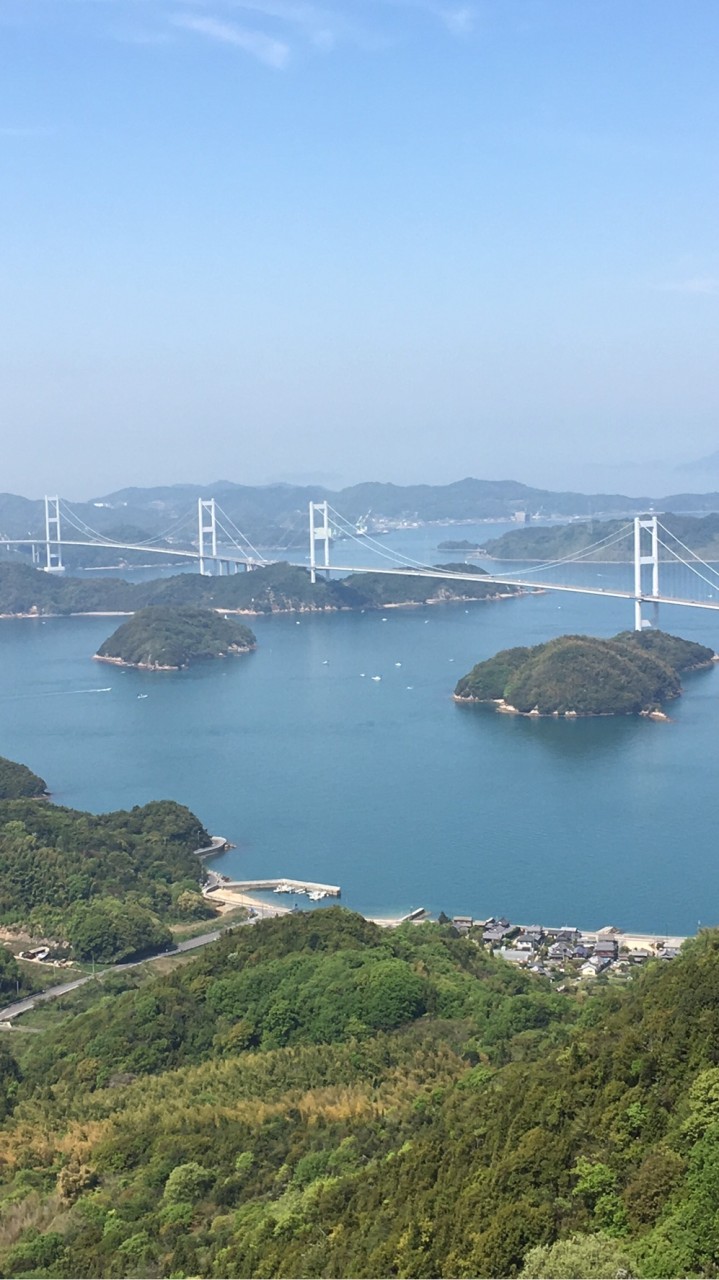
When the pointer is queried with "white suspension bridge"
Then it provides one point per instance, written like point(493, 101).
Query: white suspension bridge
point(219, 545)
point(665, 569)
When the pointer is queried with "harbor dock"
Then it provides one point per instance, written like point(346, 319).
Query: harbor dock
point(274, 883)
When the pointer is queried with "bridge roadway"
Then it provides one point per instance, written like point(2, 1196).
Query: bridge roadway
point(189, 554)
point(524, 583)
point(399, 572)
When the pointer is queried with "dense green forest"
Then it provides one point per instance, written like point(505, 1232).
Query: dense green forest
point(162, 636)
point(107, 884)
point(275, 588)
point(541, 542)
point(315, 1096)
point(17, 781)
point(635, 672)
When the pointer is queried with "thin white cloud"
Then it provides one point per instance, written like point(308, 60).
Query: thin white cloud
point(706, 286)
point(458, 19)
point(266, 49)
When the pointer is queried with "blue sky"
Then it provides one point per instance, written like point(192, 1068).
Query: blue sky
point(388, 239)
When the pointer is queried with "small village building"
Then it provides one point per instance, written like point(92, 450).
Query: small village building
point(462, 923)
point(513, 956)
point(533, 933)
point(608, 948)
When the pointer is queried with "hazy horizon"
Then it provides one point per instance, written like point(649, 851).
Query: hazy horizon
point(336, 483)
point(412, 239)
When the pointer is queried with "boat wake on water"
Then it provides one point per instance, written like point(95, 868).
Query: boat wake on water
point(53, 693)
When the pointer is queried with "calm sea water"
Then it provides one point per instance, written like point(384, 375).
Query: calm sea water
point(387, 787)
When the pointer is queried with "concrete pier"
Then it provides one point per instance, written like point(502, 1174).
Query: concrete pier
point(294, 886)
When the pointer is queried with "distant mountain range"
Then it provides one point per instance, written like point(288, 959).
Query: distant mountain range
point(276, 514)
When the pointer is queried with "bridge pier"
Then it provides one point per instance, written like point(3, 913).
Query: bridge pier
point(640, 560)
point(53, 536)
point(319, 533)
point(206, 528)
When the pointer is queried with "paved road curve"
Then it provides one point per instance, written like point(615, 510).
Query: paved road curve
point(52, 993)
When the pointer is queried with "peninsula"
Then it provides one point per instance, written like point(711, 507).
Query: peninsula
point(97, 886)
point(18, 782)
point(167, 639)
point(573, 676)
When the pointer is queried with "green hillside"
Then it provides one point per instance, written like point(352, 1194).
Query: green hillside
point(316, 1096)
point(635, 672)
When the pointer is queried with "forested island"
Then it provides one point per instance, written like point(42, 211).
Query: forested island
point(700, 534)
point(274, 588)
point(166, 638)
point(634, 673)
point(317, 1096)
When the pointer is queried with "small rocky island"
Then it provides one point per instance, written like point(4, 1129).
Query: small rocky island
point(632, 674)
point(162, 638)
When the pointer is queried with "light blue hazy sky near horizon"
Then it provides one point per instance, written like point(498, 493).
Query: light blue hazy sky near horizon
point(406, 240)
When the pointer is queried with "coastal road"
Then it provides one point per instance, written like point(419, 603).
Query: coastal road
point(62, 989)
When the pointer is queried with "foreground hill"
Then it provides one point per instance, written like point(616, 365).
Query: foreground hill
point(162, 638)
point(315, 1096)
point(580, 675)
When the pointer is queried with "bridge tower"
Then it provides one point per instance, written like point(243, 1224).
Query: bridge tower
point(640, 525)
point(207, 528)
point(53, 536)
point(319, 533)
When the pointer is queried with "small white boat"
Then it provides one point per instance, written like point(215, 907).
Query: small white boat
point(376, 677)
point(317, 895)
